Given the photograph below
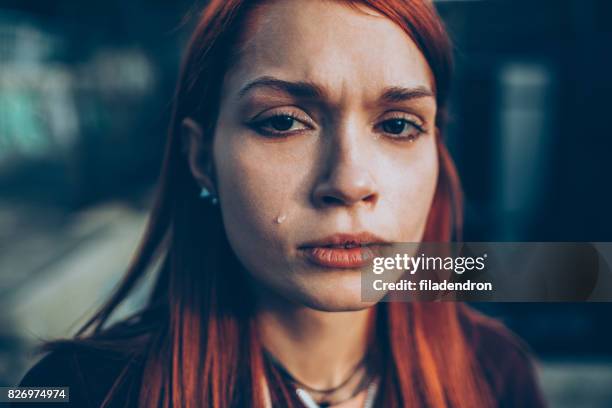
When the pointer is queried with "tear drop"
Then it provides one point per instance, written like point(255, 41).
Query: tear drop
point(281, 218)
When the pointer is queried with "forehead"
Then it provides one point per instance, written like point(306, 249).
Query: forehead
point(345, 50)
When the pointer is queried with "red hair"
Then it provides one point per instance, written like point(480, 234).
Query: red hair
point(203, 351)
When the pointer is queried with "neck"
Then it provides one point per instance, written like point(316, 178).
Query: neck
point(318, 348)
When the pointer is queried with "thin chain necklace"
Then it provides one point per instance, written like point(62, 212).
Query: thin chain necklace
point(304, 391)
point(309, 402)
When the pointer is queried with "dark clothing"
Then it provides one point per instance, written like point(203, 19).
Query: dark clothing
point(91, 374)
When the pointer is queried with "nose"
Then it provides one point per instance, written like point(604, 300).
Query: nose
point(346, 178)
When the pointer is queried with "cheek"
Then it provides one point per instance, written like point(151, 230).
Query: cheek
point(253, 195)
point(414, 183)
point(248, 192)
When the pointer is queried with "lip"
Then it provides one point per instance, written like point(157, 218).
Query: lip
point(345, 251)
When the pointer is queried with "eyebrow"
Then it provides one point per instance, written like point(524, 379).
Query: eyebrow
point(401, 94)
point(309, 90)
point(299, 89)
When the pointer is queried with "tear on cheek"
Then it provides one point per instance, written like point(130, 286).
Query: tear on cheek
point(280, 218)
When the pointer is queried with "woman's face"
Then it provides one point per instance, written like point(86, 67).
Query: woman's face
point(324, 147)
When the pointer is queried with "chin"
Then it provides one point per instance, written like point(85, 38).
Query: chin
point(334, 297)
point(337, 304)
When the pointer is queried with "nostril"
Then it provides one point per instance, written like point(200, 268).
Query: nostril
point(370, 199)
point(336, 200)
point(331, 200)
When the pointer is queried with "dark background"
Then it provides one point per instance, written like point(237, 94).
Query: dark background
point(85, 94)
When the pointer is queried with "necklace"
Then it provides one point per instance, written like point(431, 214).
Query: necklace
point(310, 389)
point(309, 402)
point(304, 391)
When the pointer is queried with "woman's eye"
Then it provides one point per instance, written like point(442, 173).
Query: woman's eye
point(401, 129)
point(279, 125)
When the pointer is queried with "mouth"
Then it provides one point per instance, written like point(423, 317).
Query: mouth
point(344, 251)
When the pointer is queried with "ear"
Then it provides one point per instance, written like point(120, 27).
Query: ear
point(198, 153)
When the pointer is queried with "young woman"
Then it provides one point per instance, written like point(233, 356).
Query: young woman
point(305, 134)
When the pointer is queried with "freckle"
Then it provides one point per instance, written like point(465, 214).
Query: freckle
point(281, 218)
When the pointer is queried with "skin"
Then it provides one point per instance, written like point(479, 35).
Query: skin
point(339, 168)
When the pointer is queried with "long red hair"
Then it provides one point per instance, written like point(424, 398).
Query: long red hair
point(201, 348)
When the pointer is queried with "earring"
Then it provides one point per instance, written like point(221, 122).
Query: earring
point(205, 194)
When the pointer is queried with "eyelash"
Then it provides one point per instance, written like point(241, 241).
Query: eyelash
point(259, 126)
point(420, 129)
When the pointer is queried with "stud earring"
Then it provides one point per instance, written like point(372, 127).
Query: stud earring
point(205, 194)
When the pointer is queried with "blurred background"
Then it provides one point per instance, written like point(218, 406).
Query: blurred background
point(85, 93)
